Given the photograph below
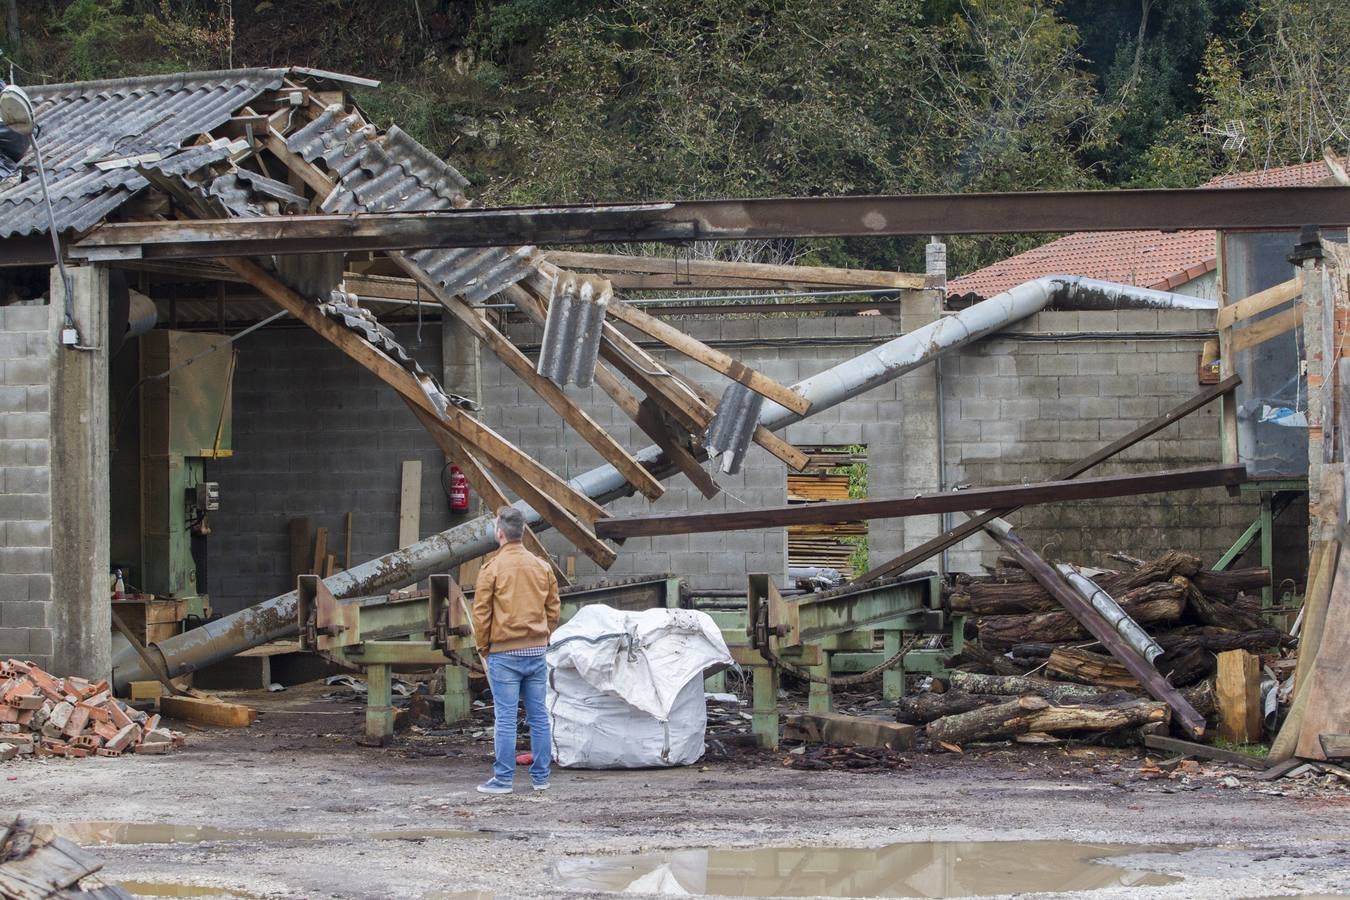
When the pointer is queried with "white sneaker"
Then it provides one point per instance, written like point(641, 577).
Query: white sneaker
point(16, 110)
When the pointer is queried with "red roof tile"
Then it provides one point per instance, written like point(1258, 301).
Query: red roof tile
point(1151, 259)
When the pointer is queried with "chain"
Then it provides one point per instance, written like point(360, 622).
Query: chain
point(838, 680)
point(475, 670)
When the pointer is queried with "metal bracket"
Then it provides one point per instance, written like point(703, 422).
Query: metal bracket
point(447, 614)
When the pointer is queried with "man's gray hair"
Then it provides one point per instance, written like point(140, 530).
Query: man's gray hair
point(512, 522)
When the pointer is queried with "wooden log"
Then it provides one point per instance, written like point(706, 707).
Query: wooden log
point(975, 657)
point(1092, 621)
point(920, 709)
point(1239, 692)
point(1227, 585)
point(1210, 611)
point(846, 731)
point(1000, 720)
point(1164, 568)
point(1059, 719)
point(1147, 604)
point(1015, 686)
point(1084, 667)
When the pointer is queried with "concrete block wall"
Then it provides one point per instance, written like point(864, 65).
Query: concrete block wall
point(1057, 387)
point(314, 435)
point(26, 616)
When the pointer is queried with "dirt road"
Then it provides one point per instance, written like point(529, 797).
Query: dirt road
point(343, 808)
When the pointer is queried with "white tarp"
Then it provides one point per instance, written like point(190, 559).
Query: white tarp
point(626, 688)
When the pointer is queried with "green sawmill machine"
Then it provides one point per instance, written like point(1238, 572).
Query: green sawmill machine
point(175, 396)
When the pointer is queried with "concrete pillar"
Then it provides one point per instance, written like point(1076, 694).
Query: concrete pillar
point(919, 451)
point(81, 614)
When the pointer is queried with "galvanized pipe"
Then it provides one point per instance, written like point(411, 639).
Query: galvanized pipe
point(1106, 606)
point(275, 618)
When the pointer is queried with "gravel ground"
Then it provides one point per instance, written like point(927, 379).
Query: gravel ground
point(298, 769)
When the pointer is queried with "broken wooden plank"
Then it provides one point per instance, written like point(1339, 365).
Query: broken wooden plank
point(708, 356)
point(664, 265)
point(910, 558)
point(1238, 685)
point(1204, 751)
point(924, 504)
point(208, 711)
point(577, 418)
point(849, 731)
point(410, 503)
point(1103, 631)
point(1335, 746)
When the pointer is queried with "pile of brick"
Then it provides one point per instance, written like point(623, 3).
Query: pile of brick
point(42, 715)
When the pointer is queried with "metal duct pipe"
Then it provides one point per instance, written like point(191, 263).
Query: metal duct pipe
point(275, 618)
point(1110, 610)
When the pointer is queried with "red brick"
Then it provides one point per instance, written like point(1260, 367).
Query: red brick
point(77, 721)
point(104, 751)
point(106, 730)
point(127, 736)
point(153, 748)
point(119, 715)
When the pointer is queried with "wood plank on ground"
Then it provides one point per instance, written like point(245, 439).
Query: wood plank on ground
point(204, 711)
point(1204, 751)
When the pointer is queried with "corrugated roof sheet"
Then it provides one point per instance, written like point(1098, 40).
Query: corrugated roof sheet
point(87, 122)
point(394, 173)
point(1151, 259)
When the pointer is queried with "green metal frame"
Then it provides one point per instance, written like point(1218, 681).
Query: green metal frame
point(1276, 496)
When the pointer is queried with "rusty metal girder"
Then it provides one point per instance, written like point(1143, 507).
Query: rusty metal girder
point(739, 219)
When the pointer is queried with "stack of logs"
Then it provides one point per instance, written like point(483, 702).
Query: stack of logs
point(42, 715)
point(1033, 670)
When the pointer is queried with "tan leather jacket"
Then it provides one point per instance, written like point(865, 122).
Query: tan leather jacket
point(515, 602)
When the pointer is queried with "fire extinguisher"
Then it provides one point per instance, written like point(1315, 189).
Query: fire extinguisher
point(458, 490)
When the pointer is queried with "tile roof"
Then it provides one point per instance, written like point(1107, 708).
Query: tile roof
point(1151, 259)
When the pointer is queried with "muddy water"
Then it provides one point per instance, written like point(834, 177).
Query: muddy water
point(937, 869)
point(92, 833)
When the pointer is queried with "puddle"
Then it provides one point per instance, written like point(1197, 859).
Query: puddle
point(936, 869)
point(170, 889)
point(94, 833)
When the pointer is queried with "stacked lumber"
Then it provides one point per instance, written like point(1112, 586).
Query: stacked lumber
point(1032, 669)
point(42, 715)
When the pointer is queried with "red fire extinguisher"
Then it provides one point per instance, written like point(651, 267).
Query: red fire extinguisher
point(459, 490)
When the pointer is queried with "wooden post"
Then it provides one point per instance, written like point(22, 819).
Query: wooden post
point(458, 699)
point(1239, 695)
point(379, 703)
point(410, 503)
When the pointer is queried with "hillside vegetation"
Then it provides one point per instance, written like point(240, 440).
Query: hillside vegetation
point(542, 101)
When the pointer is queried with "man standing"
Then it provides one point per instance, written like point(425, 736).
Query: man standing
point(515, 609)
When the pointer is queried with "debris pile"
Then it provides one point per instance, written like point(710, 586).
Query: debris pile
point(42, 715)
point(34, 865)
point(1032, 671)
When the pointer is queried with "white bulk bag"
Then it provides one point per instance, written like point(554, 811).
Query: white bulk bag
point(626, 688)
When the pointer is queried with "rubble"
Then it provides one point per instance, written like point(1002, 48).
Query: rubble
point(42, 715)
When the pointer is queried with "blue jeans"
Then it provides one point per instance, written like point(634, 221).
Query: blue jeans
point(513, 679)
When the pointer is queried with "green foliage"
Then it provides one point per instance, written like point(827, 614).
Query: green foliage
point(856, 472)
point(1255, 751)
point(858, 559)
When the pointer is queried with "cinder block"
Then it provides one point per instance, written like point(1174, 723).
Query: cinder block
point(999, 430)
point(980, 409)
point(1038, 429)
point(24, 318)
point(1019, 408)
point(1098, 321)
point(27, 371)
point(40, 587)
point(28, 534)
point(1059, 364)
point(39, 452)
point(1099, 408)
point(24, 425)
point(24, 614)
point(1001, 387)
point(24, 507)
point(1059, 410)
point(1052, 321)
point(25, 560)
point(1080, 431)
point(27, 479)
point(39, 398)
point(1138, 320)
point(1179, 363)
point(1120, 386)
point(14, 641)
point(1082, 386)
point(13, 398)
point(1096, 363)
point(13, 453)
